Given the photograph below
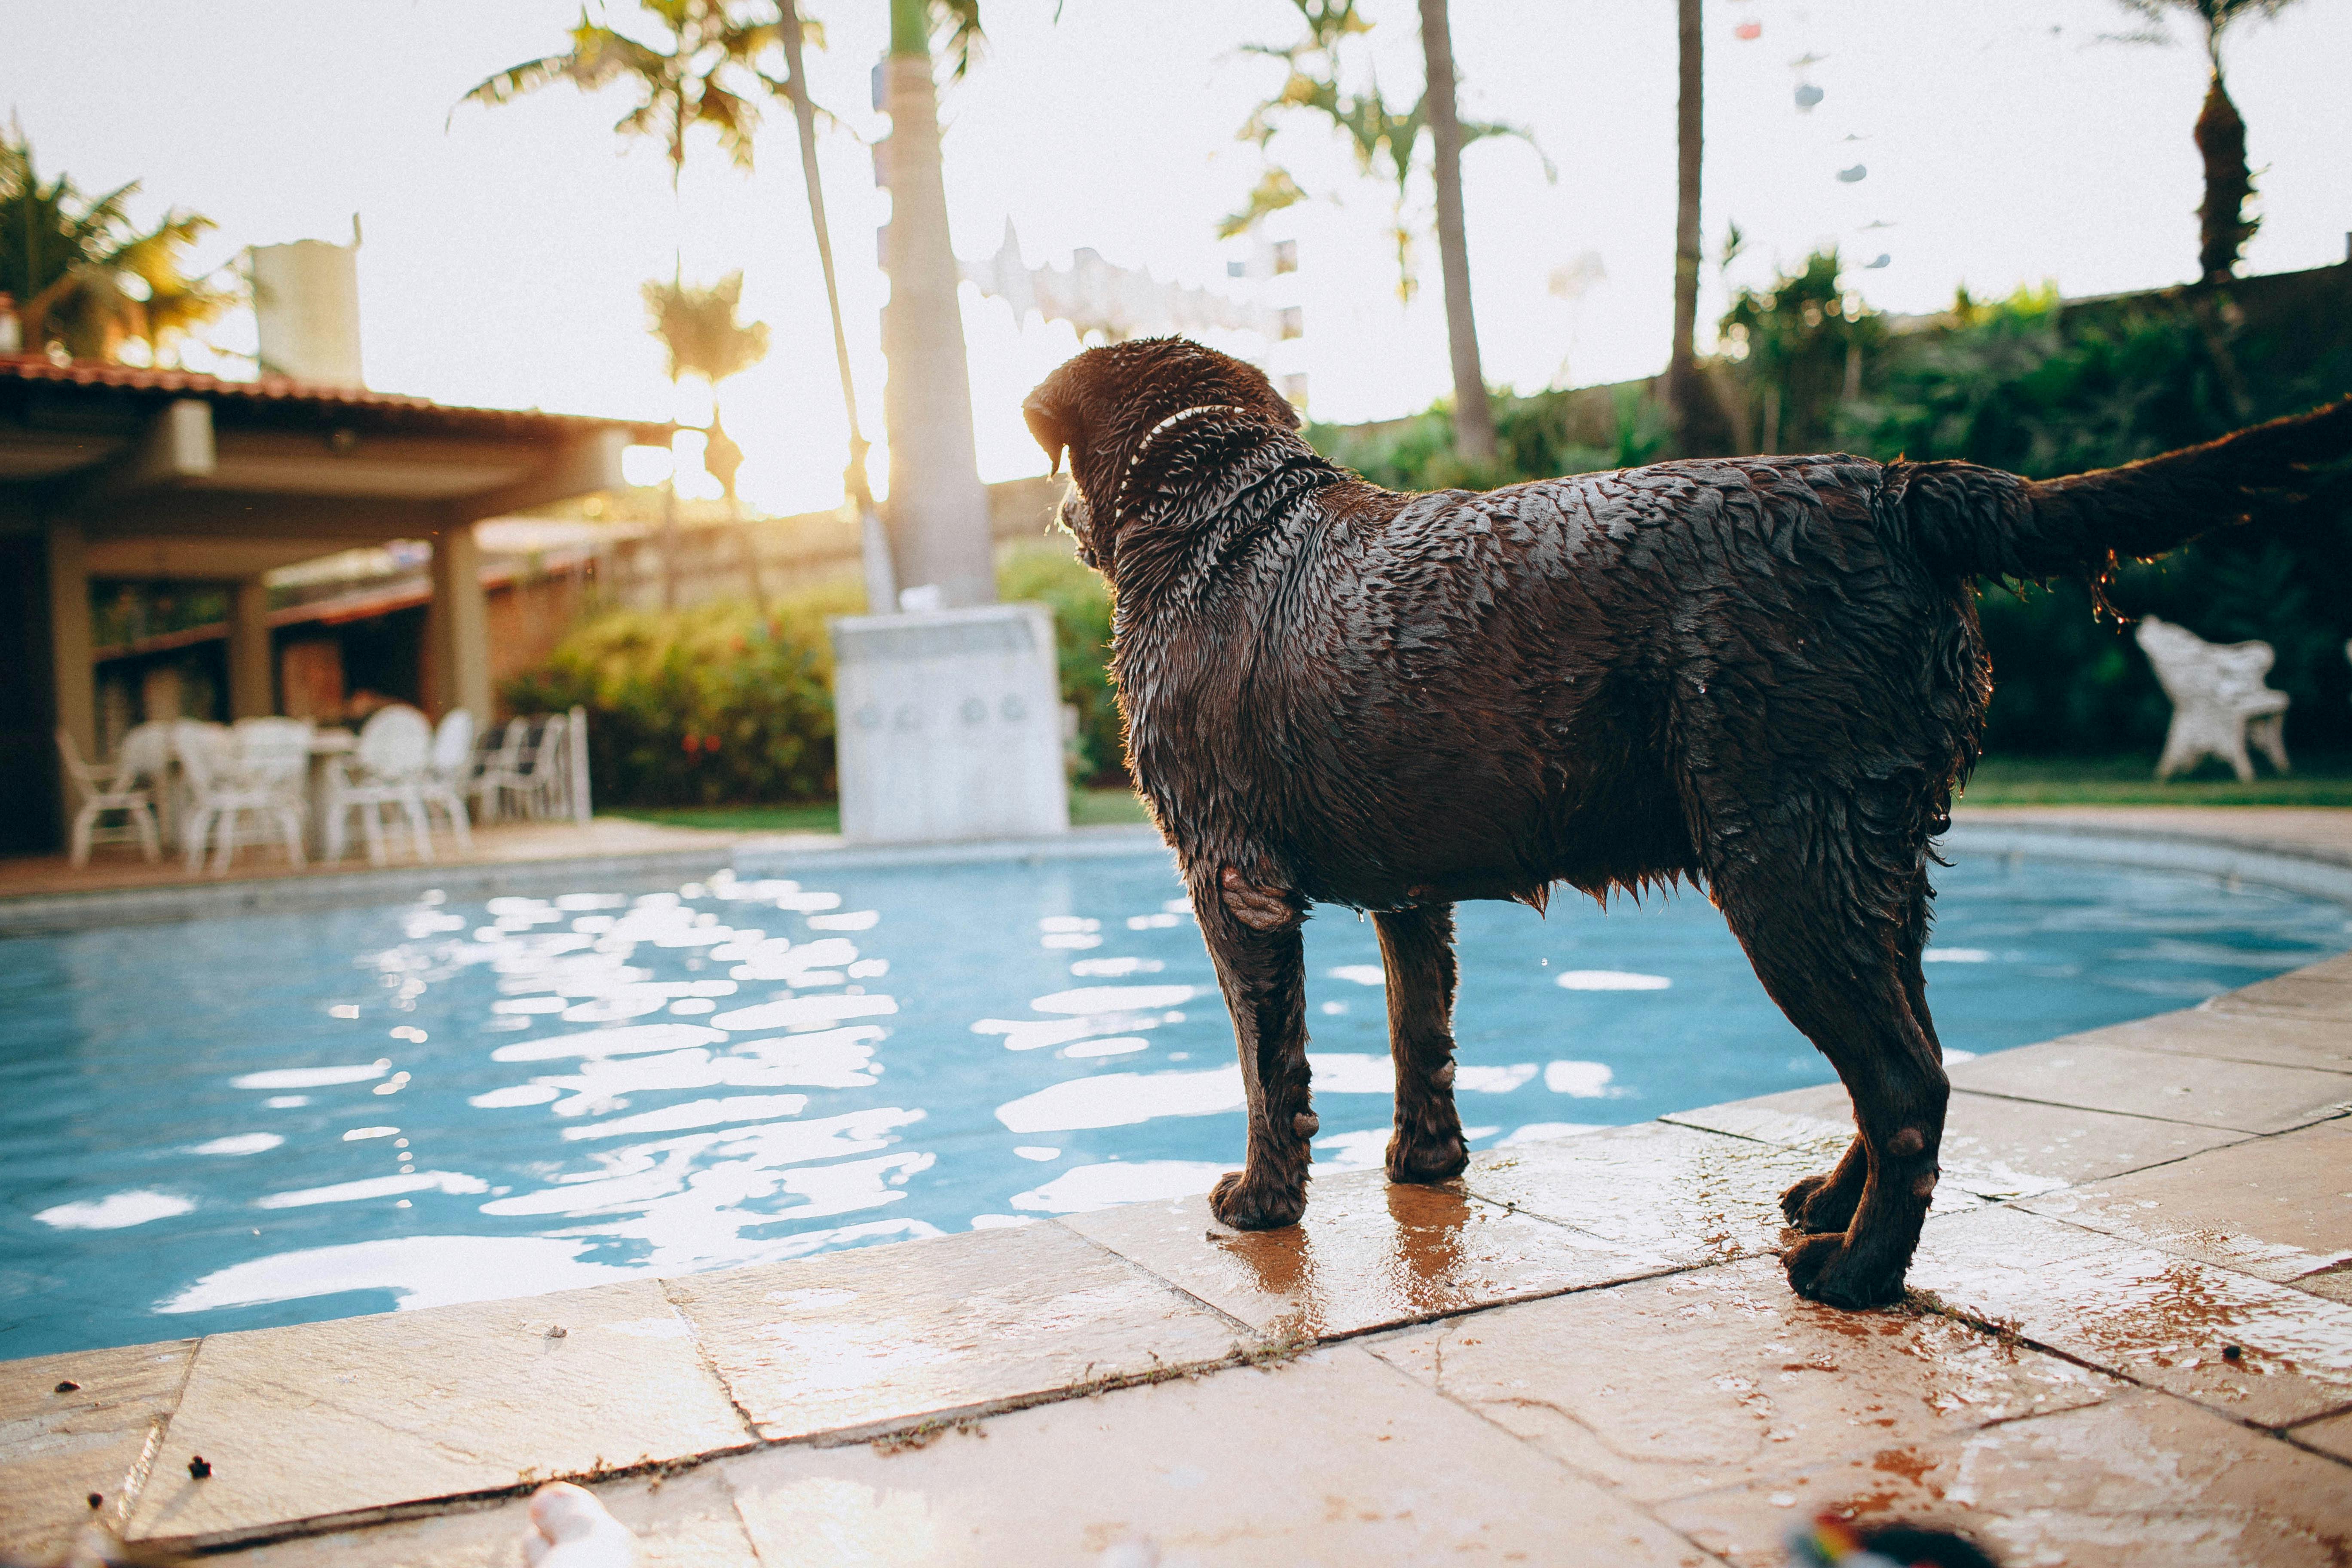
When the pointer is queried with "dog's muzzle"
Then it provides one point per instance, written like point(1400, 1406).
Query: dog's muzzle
point(1077, 521)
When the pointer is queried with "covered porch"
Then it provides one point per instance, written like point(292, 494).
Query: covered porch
point(116, 474)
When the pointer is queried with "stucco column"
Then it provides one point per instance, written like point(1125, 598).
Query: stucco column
point(252, 689)
point(75, 682)
point(457, 626)
point(937, 510)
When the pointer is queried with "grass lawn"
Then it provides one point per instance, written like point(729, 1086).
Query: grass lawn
point(2318, 780)
point(1088, 808)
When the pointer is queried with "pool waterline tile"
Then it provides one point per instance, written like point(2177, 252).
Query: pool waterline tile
point(1333, 1458)
point(1369, 1254)
point(2273, 1207)
point(2153, 1317)
point(1782, 1378)
point(59, 1445)
point(2235, 1096)
point(856, 1340)
point(2134, 1480)
point(1995, 1148)
point(329, 1418)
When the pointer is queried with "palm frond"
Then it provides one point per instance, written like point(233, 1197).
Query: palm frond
point(1276, 189)
point(1480, 130)
point(960, 35)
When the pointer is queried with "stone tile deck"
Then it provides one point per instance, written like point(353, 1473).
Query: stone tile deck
point(2130, 1342)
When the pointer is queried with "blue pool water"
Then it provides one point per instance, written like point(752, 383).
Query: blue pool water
point(271, 1119)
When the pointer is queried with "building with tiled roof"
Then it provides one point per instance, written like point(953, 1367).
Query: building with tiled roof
point(112, 472)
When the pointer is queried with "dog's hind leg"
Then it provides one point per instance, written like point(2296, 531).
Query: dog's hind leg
point(1834, 946)
point(1260, 966)
point(1827, 1202)
point(1417, 951)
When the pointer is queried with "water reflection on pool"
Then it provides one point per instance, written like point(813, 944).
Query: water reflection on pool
point(275, 1119)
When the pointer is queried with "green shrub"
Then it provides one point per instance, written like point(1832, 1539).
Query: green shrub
point(703, 707)
point(2029, 386)
point(721, 706)
point(1049, 574)
point(1536, 436)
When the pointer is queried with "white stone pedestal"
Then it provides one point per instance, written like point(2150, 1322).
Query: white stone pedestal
point(949, 724)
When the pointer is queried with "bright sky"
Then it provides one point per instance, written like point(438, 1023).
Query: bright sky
point(2003, 144)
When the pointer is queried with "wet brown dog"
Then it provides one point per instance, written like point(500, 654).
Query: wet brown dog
point(1763, 675)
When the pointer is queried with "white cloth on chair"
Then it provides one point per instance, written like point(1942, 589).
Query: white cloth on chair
point(2219, 700)
point(387, 767)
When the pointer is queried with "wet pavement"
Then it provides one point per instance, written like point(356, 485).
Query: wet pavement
point(2129, 1340)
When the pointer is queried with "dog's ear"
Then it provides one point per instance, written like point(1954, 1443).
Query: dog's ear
point(1051, 429)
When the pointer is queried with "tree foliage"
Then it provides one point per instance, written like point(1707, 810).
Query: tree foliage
point(703, 73)
point(1802, 342)
point(1319, 82)
point(698, 327)
point(88, 279)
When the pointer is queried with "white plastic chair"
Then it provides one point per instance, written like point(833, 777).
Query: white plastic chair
point(447, 772)
point(2219, 700)
point(107, 788)
point(497, 757)
point(532, 770)
point(261, 769)
point(386, 767)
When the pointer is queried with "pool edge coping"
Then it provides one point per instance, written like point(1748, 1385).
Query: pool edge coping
point(2303, 868)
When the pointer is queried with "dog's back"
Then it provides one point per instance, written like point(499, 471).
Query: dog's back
point(1475, 695)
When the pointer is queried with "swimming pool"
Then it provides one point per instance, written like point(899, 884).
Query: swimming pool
point(243, 1121)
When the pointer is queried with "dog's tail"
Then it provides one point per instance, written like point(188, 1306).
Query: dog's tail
point(1981, 522)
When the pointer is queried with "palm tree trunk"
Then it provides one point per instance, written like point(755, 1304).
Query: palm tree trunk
point(881, 586)
point(1699, 425)
point(670, 535)
point(1473, 418)
point(938, 509)
point(2221, 144)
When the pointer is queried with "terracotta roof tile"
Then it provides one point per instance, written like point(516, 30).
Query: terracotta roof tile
point(282, 389)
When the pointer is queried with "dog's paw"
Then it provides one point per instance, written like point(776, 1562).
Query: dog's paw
point(1820, 1268)
point(1244, 1205)
point(1817, 1206)
point(1426, 1158)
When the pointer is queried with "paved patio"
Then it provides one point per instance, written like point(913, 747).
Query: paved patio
point(2130, 1342)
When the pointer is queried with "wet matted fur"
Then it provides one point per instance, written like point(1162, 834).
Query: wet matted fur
point(1763, 675)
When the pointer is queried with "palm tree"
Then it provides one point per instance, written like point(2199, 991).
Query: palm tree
point(1388, 141)
point(2222, 227)
point(881, 578)
point(84, 278)
point(1474, 419)
point(698, 328)
point(688, 84)
point(938, 509)
point(1700, 428)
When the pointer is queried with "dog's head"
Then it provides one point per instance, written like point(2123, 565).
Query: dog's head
point(1099, 406)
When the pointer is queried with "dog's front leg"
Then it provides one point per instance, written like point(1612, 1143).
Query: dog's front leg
point(1417, 952)
point(1253, 936)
